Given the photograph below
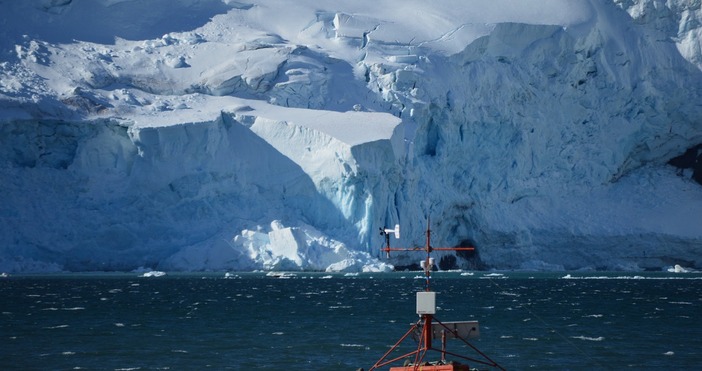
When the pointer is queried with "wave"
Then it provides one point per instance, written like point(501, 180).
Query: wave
point(494, 275)
point(634, 277)
point(55, 327)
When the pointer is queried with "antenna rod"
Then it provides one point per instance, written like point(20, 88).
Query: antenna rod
point(428, 261)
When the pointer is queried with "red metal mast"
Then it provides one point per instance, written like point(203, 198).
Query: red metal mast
point(426, 308)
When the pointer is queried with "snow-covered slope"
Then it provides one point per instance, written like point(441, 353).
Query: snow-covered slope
point(217, 134)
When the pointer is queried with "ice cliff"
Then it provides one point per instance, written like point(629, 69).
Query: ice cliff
point(226, 135)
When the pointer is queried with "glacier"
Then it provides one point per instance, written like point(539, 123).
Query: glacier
point(219, 135)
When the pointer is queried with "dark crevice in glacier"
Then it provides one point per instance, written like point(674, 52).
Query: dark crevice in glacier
point(692, 160)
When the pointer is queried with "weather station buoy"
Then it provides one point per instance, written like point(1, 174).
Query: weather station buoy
point(429, 328)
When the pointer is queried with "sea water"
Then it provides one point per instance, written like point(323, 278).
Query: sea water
point(319, 321)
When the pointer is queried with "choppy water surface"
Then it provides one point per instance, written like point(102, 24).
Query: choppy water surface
point(319, 321)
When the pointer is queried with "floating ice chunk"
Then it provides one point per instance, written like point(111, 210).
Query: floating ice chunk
point(678, 269)
point(281, 275)
point(153, 274)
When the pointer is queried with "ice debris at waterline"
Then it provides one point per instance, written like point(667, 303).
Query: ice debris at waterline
point(153, 274)
point(679, 269)
point(224, 135)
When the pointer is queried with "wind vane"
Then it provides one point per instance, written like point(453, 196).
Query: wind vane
point(428, 263)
